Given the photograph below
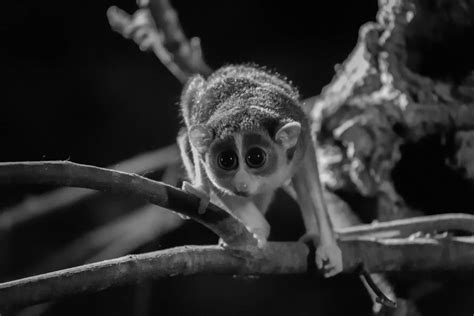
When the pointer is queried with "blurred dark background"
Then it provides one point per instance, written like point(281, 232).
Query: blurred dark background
point(73, 89)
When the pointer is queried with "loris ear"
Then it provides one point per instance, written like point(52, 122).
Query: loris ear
point(288, 134)
point(201, 137)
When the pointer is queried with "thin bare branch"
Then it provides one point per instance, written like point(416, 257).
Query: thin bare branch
point(456, 254)
point(117, 238)
point(41, 205)
point(402, 254)
point(405, 227)
point(225, 225)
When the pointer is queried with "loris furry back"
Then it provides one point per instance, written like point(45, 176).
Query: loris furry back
point(239, 98)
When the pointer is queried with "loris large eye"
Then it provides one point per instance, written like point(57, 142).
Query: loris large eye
point(227, 160)
point(255, 157)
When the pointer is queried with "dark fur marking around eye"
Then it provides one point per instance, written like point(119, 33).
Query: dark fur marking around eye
point(219, 146)
point(252, 140)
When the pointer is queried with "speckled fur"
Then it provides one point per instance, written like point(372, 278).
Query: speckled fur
point(241, 98)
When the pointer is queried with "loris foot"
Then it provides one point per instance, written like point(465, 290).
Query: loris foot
point(200, 193)
point(328, 255)
point(329, 258)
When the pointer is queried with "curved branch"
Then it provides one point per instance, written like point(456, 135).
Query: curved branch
point(34, 207)
point(225, 225)
point(276, 258)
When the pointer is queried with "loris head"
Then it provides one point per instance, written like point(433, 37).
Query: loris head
point(247, 125)
point(250, 162)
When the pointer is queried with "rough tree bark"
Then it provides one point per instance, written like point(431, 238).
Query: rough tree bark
point(276, 258)
point(395, 124)
point(409, 77)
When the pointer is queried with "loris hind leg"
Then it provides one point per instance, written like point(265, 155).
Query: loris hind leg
point(198, 185)
point(311, 200)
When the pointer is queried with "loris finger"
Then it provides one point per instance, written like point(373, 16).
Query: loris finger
point(319, 262)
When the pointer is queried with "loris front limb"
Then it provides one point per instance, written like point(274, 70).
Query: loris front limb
point(199, 184)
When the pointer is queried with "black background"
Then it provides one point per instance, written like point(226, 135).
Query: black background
point(73, 89)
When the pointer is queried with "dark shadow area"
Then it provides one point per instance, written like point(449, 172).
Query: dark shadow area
point(425, 181)
point(440, 40)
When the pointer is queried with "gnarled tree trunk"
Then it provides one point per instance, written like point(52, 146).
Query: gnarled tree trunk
point(395, 125)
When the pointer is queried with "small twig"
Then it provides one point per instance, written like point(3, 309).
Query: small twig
point(225, 225)
point(408, 226)
point(34, 207)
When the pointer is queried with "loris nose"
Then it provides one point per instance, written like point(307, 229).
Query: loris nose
point(242, 188)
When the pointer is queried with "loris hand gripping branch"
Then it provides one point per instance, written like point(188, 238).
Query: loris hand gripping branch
point(246, 135)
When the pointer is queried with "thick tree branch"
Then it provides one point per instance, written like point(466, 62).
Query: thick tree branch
point(228, 227)
point(187, 260)
point(276, 258)
point(37, 206)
